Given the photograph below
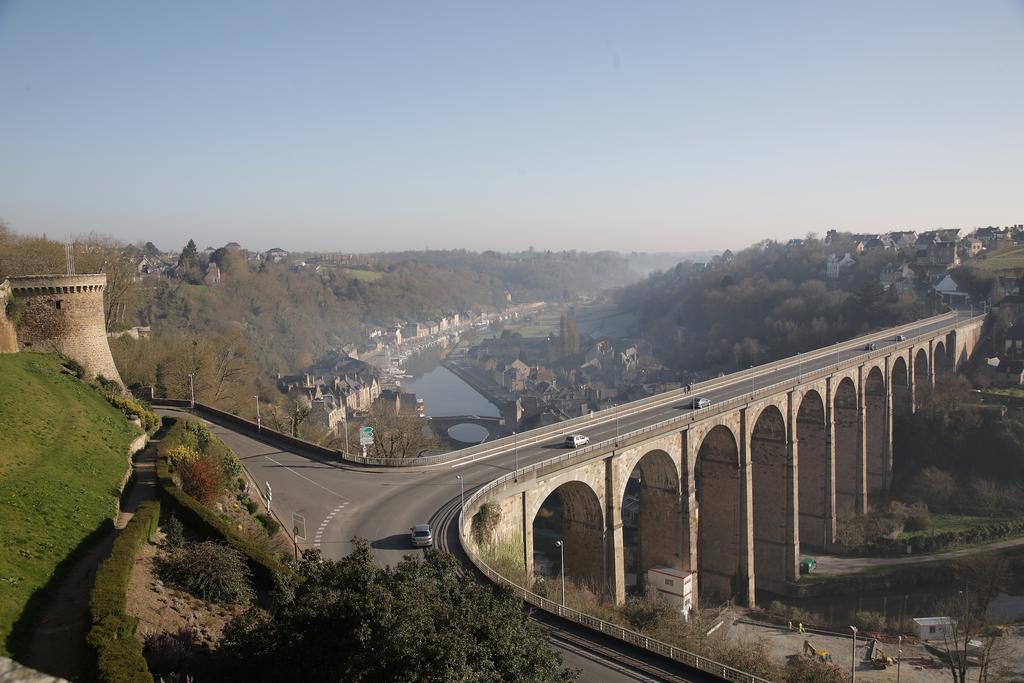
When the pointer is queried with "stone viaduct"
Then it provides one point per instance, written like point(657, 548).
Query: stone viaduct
point(734, 494)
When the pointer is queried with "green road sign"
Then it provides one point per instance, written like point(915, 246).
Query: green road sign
point(365, 436)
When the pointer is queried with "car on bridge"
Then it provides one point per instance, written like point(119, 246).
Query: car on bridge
point(421, 536)
point(901, 337)
point(870, 346)
point(576, 440)
point(700, 402)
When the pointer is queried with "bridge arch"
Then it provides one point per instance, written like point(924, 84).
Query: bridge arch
point(922, 383)
point(847, 441)
point(814, 483)
point(899, 381)
point(651, 516)
point(718, 515)
point(941, 359)
point(572, 514)
point(769, 461)
point(876, 438)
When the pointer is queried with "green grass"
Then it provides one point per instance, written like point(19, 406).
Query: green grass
point(362, 275)
point(1010, 258)
point(63, 453)
point(946, 522)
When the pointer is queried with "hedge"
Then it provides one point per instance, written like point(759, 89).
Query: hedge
point(205, 522)
point(930, 543)
point(111, 636)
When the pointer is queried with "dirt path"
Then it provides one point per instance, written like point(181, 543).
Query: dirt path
point(832, 564)
point(57, 645)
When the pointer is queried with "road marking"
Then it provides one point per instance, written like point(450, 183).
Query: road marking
point(318, 539)
point(314, 483)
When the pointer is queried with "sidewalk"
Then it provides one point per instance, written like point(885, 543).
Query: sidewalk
point(57, 646)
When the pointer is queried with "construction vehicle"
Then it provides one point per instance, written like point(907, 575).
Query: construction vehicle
point(817, 655)
point(880, 660)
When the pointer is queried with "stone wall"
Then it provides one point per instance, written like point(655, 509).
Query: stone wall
point(8, 335)
point(64, 314)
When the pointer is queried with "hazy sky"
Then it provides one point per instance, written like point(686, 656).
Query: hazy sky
point(625, 125)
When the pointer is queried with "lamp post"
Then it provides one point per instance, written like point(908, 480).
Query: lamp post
point(899, 658)
point(462, 489)
point(515, 440)
point(259, 422)
point(616, 424)
point(561, 551)
point(192, 390)
point(853, 656)
point(751, 380)
point(837, 353)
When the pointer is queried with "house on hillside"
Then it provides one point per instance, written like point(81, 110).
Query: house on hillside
point(897, 275)
point(835, 266)
point(950, 291)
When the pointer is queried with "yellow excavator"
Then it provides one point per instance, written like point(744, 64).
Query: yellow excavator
point(817, 655)
point(879, 659)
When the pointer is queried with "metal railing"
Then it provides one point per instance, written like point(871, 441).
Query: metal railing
point(600, 449)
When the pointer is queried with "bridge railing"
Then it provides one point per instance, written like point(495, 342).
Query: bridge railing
point(599, 449)
point(575, 424)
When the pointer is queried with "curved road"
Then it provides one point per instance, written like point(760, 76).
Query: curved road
point(331, 503)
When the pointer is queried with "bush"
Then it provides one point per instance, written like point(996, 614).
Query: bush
point(201, 480)
point(211, 571)
point(250, 505)
point(268, 522)
point(918, 518)
point(180, 454)
point(112, 634)
point(73, 366)
point(645, 614)
point(128, 405)
point(869, 621)
point(935, 488)
point(168, 652)
point(174, 532)
point(199, 434)
point(485, 521)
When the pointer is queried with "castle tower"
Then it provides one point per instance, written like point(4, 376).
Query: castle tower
point(64, 314)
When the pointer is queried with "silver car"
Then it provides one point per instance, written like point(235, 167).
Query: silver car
point(700, 402)
point(421, 536)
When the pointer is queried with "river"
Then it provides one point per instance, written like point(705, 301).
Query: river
point(444, 393)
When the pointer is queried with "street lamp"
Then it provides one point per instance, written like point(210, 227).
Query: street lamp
point(561, 551)
point(259, 422)
point(837, 353)
point(616, 424)
point(751, 380)
point(462, 489)
point(899, 658)
point(192, 390)
point(853, 655)
point(515, 439)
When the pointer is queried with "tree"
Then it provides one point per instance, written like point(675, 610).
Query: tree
point(422, 620)
point(396, 434)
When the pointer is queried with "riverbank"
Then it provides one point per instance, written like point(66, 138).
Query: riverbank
point(483, 385)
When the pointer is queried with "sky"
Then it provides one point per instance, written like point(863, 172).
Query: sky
point(372, 126)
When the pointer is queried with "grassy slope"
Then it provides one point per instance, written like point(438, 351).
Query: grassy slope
point(1005, 259)
point(63, 452)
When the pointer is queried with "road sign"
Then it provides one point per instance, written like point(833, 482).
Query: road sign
point(365, 436)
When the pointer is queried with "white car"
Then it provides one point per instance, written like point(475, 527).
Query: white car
point(421, 536)
point(901, 337)
point(576, 440)
point(699, 402)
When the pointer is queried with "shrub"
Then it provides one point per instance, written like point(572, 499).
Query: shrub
point(112, 634)
point(73, 366)
point(250, 505)
point(211, 571)
point(268, 522)
point(199, 434)
point(168, 652)
point(869, 621)
point(918, 518)
point(180, 454)
point(228, 463)
point(934, 487)
point(645, 614)
point(485, 521)
point(201, 480)
point(174, 532)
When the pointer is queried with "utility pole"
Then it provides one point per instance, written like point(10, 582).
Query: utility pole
point(899, 658)
point(259, 422)
point(192, 390)
point(515, 439)
point(462, 490)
